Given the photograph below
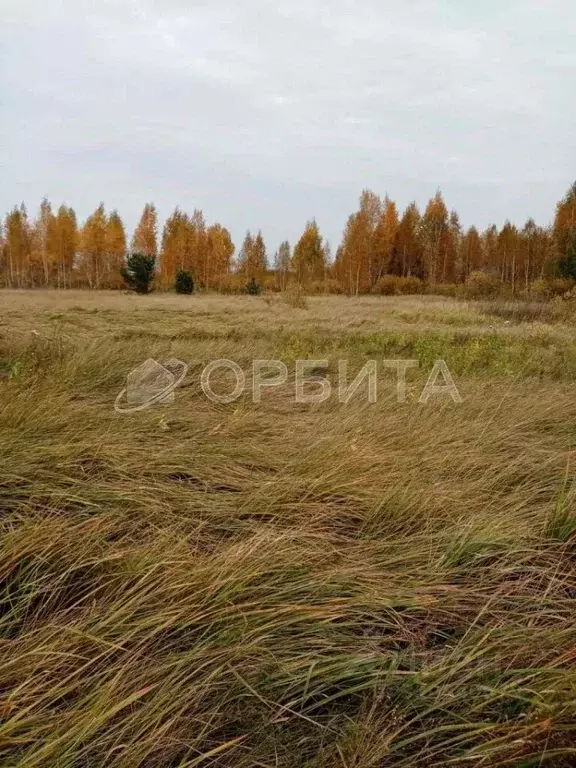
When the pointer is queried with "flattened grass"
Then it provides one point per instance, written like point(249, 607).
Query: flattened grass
point(280, 585)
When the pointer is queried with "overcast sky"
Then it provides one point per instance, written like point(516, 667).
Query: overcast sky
point(265, 113)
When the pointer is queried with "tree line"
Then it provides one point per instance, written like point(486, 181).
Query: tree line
point(379, 243)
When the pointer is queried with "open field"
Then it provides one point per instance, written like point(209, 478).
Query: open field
point(281, 584)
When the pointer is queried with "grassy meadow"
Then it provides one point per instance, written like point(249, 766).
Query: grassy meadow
point(281, 584)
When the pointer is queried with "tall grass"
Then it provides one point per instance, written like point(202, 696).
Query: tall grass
point(276, 584)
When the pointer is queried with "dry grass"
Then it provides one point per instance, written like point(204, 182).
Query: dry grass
point(295, 298)
point(276, 584)
point(105, 310)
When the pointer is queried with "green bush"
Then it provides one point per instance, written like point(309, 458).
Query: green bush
point(566, 267)
point(184, 282)
point(253, 288)
point(138, 272)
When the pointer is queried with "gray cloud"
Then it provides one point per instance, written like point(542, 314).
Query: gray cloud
point(266, 114)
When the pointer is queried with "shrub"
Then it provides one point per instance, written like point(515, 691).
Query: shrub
point(559, 286)
point(449, 290)
point(253, 288)
point(387, 285)
point(481, 284)
point(315, 287)
point(333, 286)
point(323, 286)
point(184, 282)
point(138, 272)
point(540, 290)
point(392, 285)
point(409, 286)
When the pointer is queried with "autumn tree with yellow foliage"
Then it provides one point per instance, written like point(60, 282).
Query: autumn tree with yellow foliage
point(145, 238)
point(378, 241)
point(309, 258)
point(252, 261)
